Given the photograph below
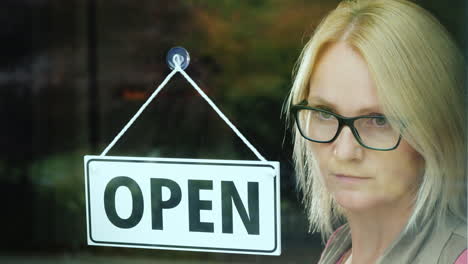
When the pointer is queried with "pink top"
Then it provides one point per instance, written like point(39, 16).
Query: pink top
point(341, 260)
point(463, 258)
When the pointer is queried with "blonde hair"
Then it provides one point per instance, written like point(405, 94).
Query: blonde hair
point(419, 76)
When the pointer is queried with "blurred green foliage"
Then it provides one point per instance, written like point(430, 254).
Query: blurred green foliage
point(62, 174)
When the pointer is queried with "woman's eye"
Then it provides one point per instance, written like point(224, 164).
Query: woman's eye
point(323, 115)
point(380, 121)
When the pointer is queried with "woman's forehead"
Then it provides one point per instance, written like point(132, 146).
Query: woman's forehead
point(341, 79)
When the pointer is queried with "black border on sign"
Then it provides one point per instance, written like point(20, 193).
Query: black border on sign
point(180, 247)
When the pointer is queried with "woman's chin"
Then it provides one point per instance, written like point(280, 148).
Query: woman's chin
point(351, 200)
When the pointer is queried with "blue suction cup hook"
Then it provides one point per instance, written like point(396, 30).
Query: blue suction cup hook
point(178, 55)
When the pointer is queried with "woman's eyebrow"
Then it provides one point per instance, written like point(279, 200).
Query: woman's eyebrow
point(319, 101)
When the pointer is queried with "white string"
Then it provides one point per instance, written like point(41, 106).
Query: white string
point(178, 60)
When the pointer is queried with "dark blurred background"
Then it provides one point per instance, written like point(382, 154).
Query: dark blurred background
point(72, 73)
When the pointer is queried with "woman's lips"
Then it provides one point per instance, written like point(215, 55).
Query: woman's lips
point(350, 178)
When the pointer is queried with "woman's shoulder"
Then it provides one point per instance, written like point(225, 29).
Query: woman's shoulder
point(436, 242)
point(455, 247)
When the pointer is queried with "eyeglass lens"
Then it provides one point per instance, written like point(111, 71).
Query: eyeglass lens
point(375, 132)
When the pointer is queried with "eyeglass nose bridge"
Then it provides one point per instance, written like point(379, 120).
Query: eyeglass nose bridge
point(349, 122)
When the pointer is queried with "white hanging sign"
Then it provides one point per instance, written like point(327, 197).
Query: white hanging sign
point(183, 204)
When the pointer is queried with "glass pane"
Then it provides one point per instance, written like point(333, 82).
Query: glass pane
point(72, 73)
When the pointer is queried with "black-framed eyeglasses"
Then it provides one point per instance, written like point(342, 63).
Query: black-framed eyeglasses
point(322, 126)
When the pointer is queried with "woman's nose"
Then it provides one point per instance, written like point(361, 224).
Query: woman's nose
point(346, 146)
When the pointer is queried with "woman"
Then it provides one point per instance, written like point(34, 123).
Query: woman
point(380, 135)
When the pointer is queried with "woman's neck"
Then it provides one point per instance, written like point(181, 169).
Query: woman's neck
point(372, 232)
